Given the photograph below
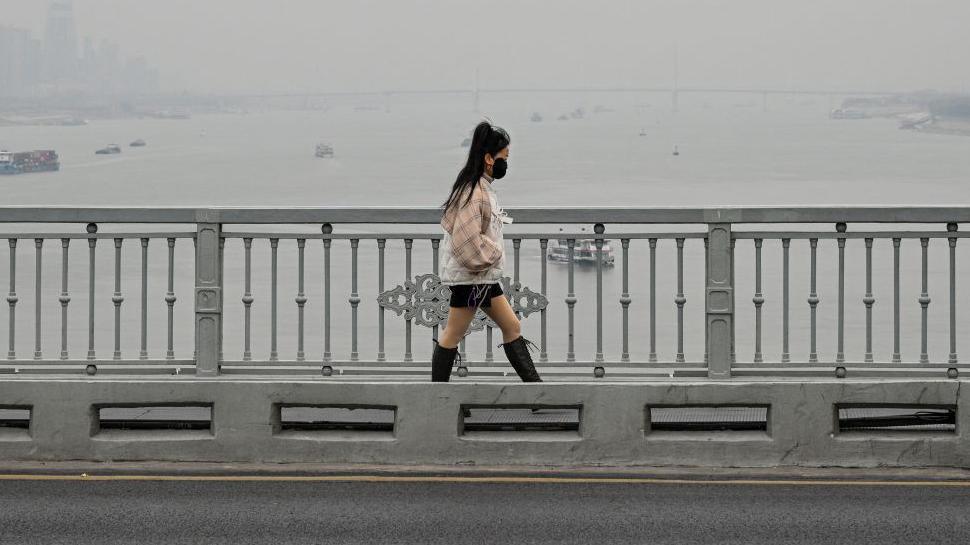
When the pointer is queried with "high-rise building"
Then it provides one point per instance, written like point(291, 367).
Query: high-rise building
point(60, 44)
point(19, 57)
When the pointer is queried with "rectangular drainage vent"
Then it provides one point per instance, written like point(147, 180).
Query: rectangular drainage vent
point(16, 418)
point(315, 418)
point(897, 418)
point(532, 418)
point(708, 418)
point(155, 417)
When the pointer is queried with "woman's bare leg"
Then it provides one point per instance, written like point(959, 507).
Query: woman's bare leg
point(502, 314)
point(458, 320)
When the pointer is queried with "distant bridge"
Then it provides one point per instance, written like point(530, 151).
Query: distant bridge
point(690, 89)
point(675, 92)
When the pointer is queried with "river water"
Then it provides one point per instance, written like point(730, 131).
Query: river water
point(404, 150)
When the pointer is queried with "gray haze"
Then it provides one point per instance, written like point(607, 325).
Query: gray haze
point(370, 45)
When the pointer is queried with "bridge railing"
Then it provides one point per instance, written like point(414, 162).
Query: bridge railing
point(578, 328)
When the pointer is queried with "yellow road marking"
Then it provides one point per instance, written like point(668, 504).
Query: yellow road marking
point(486, 480)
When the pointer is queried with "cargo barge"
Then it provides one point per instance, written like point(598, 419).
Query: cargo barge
point(27, 162)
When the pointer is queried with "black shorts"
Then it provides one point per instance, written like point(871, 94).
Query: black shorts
point(470, 295)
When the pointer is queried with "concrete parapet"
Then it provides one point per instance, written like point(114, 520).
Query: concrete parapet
point(801, 429)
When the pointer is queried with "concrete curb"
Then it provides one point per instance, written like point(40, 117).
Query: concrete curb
point(700, 474)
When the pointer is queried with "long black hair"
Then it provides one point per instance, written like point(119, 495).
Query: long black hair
point(486, 138)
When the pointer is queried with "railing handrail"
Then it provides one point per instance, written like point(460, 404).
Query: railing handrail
point(522, 215)
point(717, 227)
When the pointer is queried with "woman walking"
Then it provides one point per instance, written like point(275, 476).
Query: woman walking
point(474, 256)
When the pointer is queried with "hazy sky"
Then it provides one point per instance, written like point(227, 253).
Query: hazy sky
point(364, 45)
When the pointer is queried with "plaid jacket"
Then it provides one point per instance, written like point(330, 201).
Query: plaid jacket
point(473, 249)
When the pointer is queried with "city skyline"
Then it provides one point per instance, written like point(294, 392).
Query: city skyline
point(223, 46)
point(53, 61)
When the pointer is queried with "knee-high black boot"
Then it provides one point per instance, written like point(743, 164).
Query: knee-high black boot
point(518, 353)
point(442, 361)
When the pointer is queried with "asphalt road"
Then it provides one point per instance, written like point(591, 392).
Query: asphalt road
point(237, 512)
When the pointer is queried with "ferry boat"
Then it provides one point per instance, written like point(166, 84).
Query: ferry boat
point(324, 151)
point(27, 162)
point(110, 149)
point(584, 252)
point(844, 113)
point(173, 114)
point(915, 121)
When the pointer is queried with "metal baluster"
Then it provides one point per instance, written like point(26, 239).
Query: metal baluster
point(707, 275)
point(170, 300)
point(274, 250)
point(117, 299)
point(38, 249)
point(222, 284)
point(680, 299)
point(247, 300)
point(840, 352)
point(897, 357)
point(758, 300)
point(92, 242)
point(300, 300)
point(12, 297)
point(543, 349)
point(785, 351)
point(868, 300)
point(516, 254)
point(381, 245)
point(571, 301)
point(653, 301)
point(734, 357)
point(327, 354)
point(924, 301)
point(143, 353)
point(813, 303)
point(625, 300)
point(65, 296)
point(599, 228)
point(408, 247)
point(952, 228)
point(355, 300)
point(489, 355)
point(195, 352)
point(435, 244)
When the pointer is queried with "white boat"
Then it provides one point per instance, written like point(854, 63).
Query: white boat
point(845, 113)
point(584, 251)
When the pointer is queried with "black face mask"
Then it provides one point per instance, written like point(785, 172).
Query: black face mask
point(499, 169)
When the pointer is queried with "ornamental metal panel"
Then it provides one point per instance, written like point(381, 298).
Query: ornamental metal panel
point(425, 300)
